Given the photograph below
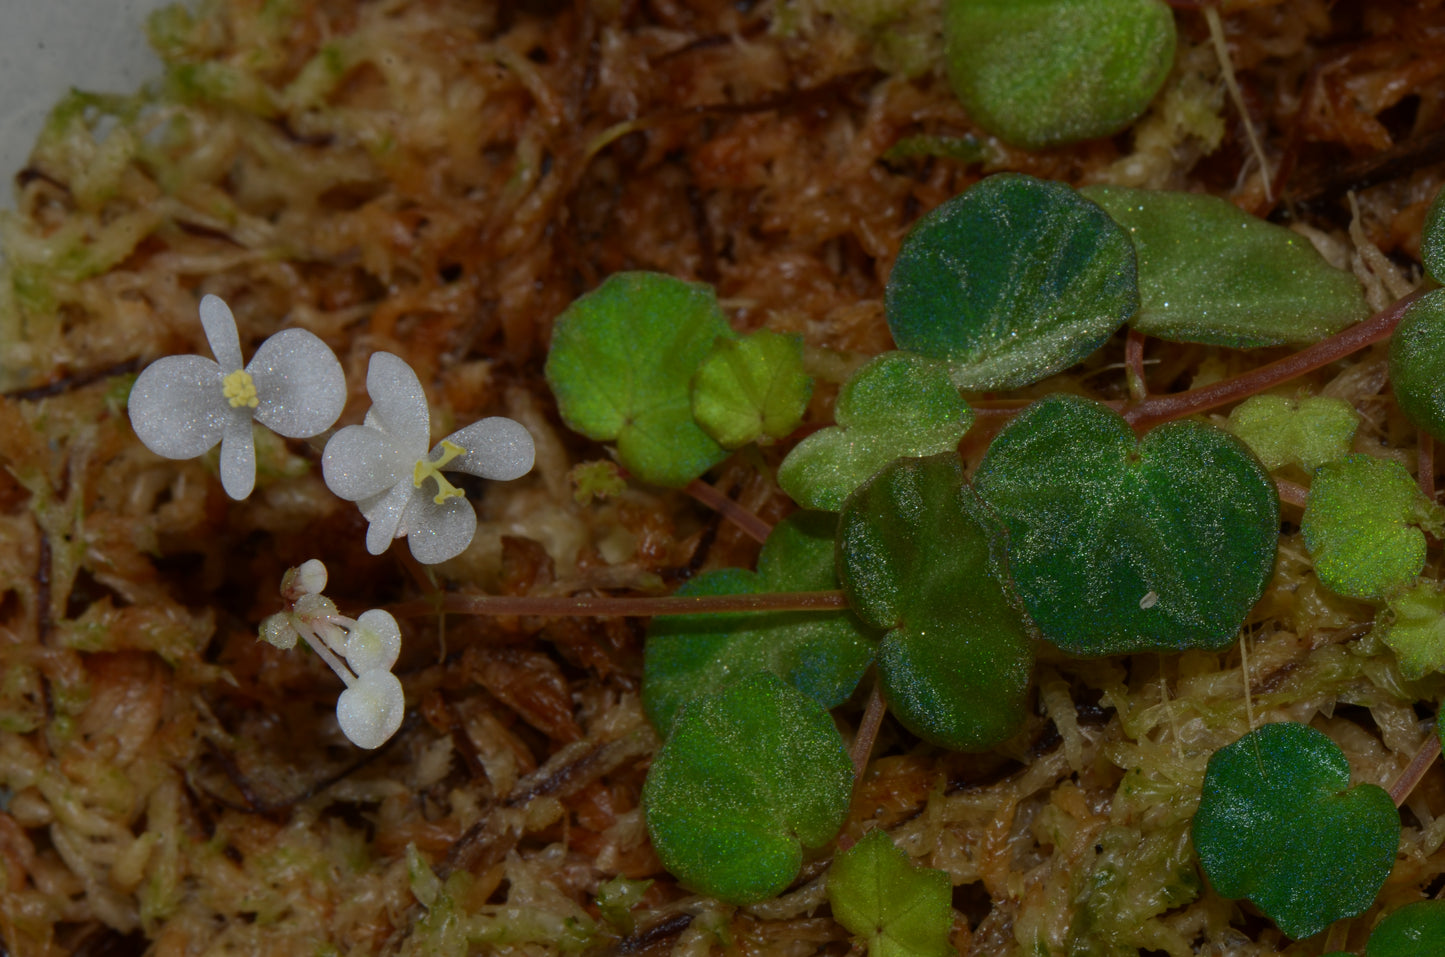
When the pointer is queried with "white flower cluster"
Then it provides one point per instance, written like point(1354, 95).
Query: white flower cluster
point(360, 650)
point(182, 406)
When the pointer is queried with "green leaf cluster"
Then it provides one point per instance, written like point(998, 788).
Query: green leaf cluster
point(1307, 431)
point(899, 910)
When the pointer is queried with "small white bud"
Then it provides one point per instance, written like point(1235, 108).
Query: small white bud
point(311, 577)
point(371, 709)
point(375, 644)
point(278, 630)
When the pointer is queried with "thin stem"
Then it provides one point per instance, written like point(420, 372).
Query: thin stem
point(1425, 473)
point(318, 645)
point(1292, 494)
point(750, 524)
point(867, 731)
point(1419, 764)
point(1163, 408)
point(606, 606)
point(1134, 365)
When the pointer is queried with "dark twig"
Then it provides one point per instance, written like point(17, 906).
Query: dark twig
point(606, 606)
point(70, 383)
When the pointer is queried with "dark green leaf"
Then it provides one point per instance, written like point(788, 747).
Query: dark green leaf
point(1119, 545)
point(749, 778)
point(1278, 823)
point(1011, 281)
point(1362, 526)
point(1041, 73)
point(621, 366)
point(823, 654)
point(1417, 363)
point(1210, 272)
point(1415, 930)
point(898, 909)
point(895, 406)
point(1432, 239)
point(919, 554)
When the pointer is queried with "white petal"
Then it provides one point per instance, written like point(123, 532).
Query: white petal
point(221, 334)
point(376, 644)
point(439, 532)
point(360, 462)
point(497, 448)
point(311, 577)
point(176, 406)
point(385, 517)
point(370, 710)
point(399, 403)
point(238, 455)
point(299, 383)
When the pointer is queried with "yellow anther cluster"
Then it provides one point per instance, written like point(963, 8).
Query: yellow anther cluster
point(426, 469)
point(240, 389)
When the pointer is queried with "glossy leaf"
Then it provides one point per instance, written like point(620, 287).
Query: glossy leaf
point(749, 778)
point(823, 654)
point(920, 555)
point(751, 389)
point(1432, 239)
point(1415, 630)
point(1417, 363)
point(1279, 824)
point(1362, 526)
point(1210, 272)
point(621, 365)
point(897, 405)
point(1307, 431)
point(1040, 73)
point(1011, 281)
point(1120, 545)
point(898, 909)
point(1415, 930)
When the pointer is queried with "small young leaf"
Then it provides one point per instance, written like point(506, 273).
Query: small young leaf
point(1415, 630)
point(1119, 545)
point(1011, 281)
point(1307, 431)
point(621, 364)
point(1210, 272)
point(1432, 239)
point(918, 553)
point(1042, 73)
point(749, 778)
point(1278, 823)
point(895, 406)
point(823, 654)
point(1362, 526)
point(1415, 930)
point(900, 910)
point(752, 388)
point(1417, 363)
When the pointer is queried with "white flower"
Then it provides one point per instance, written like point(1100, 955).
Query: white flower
point(384, 465)
point(181, 406)
point(370, 709)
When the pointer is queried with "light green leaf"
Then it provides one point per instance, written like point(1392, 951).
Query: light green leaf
point(1040, 73)
point(1362, 526)
point(621, 367)
point(897, 406)
point(1415, 630)
point(1210, 272)
point(751, 389)
point(900, 910)
point(1307, 432)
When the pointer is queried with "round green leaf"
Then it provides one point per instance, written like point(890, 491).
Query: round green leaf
point(920, 555)
point(621, 365)
point(823, 654)
point(895, 406)
point(751, 388)
point(749, 778)
point(1279, 824)
point(1415, 930)
point(1417, 363)
point(899, 910)
point(1307, 431)
point(1119, 545)
point(1361, 526)
point(1011, 281)
point(1432, 239)
point(1210, 272)
point(1415, 629)
point(1041, 73)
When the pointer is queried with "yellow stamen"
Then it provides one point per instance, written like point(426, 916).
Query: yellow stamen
point(426, 469)
point(240, 389)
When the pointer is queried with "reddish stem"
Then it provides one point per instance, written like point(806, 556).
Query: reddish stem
point(750, 524)
point(1419, 764)
point(1134, 365)
point(1291, 493)
point(607, 606)
point(1425, 472)
point(867, 731)
point(1163, 408)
